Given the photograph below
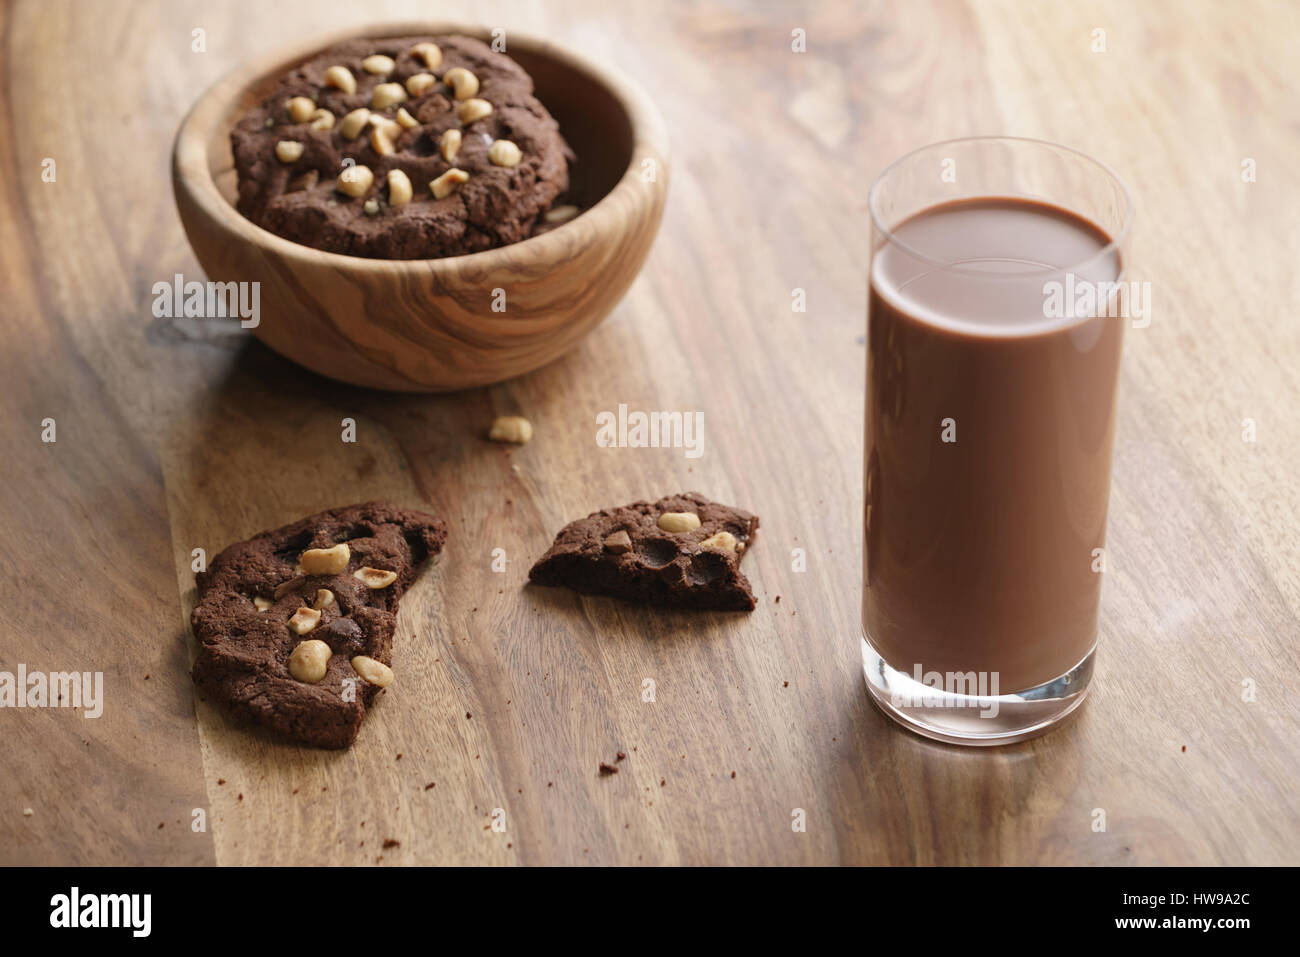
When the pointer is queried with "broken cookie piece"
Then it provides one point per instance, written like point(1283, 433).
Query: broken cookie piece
point(682, 551)
point(295, 626)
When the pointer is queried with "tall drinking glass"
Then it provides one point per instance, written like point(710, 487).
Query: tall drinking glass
point(997, 304)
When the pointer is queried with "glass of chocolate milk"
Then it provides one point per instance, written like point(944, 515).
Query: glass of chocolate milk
point(993, 350)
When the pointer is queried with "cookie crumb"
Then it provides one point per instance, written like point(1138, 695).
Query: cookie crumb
point(28, 812)
point(429, 785)
point(733, 775)
point(221, 780)
point(607, 768)
point(621, 755)
point(389, 842)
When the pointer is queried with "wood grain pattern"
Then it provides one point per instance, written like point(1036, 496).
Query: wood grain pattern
point(179, 436)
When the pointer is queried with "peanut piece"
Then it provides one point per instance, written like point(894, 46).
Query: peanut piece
point(378, 64)
point(407, 121)
point(560, 214)
point(505, 153)
point(449, 145)
point(678, 521)
point(430, 53)
point(724, 541)
point(385, 95)
point(352, 124)
point(287, 151)
point(446, 184)
point(262, 604)
point(419, 84)
point(341, 78)
point(472, 110)
point(374, 672)
point(356, 181)
point(309, 659)
point(326, 561)
point(400, 190)
point(322, 120)
point(301, 109)
point(304, 620)
point(380, 143)
point(462, 81)
point(324, 598)
point(374, 578)
point(511, 428)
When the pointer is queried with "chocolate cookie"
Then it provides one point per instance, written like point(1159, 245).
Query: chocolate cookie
point(295, 626)
point(453, 154)
point(681, 551)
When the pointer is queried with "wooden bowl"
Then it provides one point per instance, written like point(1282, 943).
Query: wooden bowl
point(427, 325)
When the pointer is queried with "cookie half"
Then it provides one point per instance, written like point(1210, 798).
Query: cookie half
point(333, 578)
point(682, 551)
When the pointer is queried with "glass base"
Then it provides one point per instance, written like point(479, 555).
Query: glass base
point(974, 719)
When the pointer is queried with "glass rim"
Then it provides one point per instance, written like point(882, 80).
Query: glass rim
point(1111, 248)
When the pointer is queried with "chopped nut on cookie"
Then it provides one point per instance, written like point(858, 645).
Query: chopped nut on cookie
point(351, 125)
point(341, 78)
point(301, 109)
point(309, 660)
point(378, 64)
point(462, 81)
point(679, 521)
point(723, 540)
point(304, 620)
point(505, 153)
point(374, 672)
point(387, 94)
point(472, 110)
point(374, 578)
point(420, 83)
point(288, 151)
point(449, 145)
point(326, 561)
point(429, 53)
point(356, 181)
point(399, 188)
point(446, 184)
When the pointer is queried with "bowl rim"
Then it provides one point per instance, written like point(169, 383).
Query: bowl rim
point(192, 172)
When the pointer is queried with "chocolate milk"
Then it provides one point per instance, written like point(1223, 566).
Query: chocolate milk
point(980, 549)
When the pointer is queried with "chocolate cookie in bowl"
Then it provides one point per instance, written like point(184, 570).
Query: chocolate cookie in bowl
point(415, 147)
point(408, 231)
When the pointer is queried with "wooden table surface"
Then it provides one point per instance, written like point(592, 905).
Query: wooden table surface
point(172, 437)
